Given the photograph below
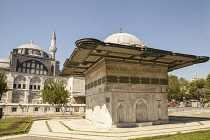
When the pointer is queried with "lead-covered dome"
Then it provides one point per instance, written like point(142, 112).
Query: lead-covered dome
point(30, 46)
point(124, 39)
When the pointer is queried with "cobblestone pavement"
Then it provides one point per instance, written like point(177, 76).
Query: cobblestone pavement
point(77, 129)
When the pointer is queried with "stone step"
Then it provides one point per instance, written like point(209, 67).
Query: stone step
point(122, 125)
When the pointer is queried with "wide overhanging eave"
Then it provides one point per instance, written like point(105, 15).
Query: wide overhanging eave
point(90, 51)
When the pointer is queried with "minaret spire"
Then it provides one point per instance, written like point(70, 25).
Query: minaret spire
point(53, 47)
point(120, 28)
point(54, 36)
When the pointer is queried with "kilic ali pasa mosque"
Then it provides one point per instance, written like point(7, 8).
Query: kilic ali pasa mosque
point(125, 81)
point(27, 70)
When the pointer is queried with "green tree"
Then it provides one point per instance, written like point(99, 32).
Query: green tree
point(184, 87)
point(204, 93)
point(207, 83)
point(182, 80)
point(194, 87)
point(192, 92)
point(55, 93)
point(174, 87)
point(3, 84)
point(198, 83)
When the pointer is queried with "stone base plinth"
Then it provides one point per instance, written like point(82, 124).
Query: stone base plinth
point(124, 125)
point(161, 121)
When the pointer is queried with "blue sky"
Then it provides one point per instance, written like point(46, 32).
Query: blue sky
point(181, 26)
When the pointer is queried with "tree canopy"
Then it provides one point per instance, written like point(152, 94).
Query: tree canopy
point(207, 84)
point(179, 87)
point(55, 93)
point(173, 87)
point(3, 84)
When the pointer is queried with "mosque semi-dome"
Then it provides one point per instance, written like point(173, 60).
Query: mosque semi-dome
point(124, 39)
point(30, 46)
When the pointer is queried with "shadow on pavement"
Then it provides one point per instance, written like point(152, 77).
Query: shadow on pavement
point(185, 119)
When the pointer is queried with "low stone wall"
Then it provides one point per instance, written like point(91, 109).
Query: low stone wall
point(40, 110)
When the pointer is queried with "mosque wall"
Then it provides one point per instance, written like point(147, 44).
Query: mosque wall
point(26, 88)
point(27, 70)
point(23, 96)
point(44, 110)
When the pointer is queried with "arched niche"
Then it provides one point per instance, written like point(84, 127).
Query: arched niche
point(47, 81)
point(35, 84)
point(19, 82)
point(141, 109)
point(120, 114)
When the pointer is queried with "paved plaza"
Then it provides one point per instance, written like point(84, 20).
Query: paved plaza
point(181, 120)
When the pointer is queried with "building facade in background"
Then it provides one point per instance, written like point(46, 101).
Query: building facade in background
point(27, 70)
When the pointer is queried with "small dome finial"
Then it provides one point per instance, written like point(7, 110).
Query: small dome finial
point(32, 42)
point(120, 28)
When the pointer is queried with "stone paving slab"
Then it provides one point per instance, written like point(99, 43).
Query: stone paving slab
point(195, 120)
point(39, 127)
point(56, 126)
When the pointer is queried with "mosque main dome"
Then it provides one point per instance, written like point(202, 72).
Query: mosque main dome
point(30, 46)
point(124, 39)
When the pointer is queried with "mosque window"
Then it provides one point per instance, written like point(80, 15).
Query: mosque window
point(36, 109)
point(37, 66)
point(33, 65)
point(45, 73)
point(14, 109)
point(28, 71)
point(24, 86)
point(52, 69)
point(76, 109)
point(47, 109)
point(20, 78)
point(57, 109)
point(41, 72)
point(32, 70)
point(35, 87)
point(19, 86)
point(37, 52)
point(34, 83)
point(19, 81)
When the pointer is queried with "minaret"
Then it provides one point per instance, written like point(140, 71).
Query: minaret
point(53, 47)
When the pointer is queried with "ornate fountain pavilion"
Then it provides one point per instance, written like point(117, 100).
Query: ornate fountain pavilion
point(126, 81)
